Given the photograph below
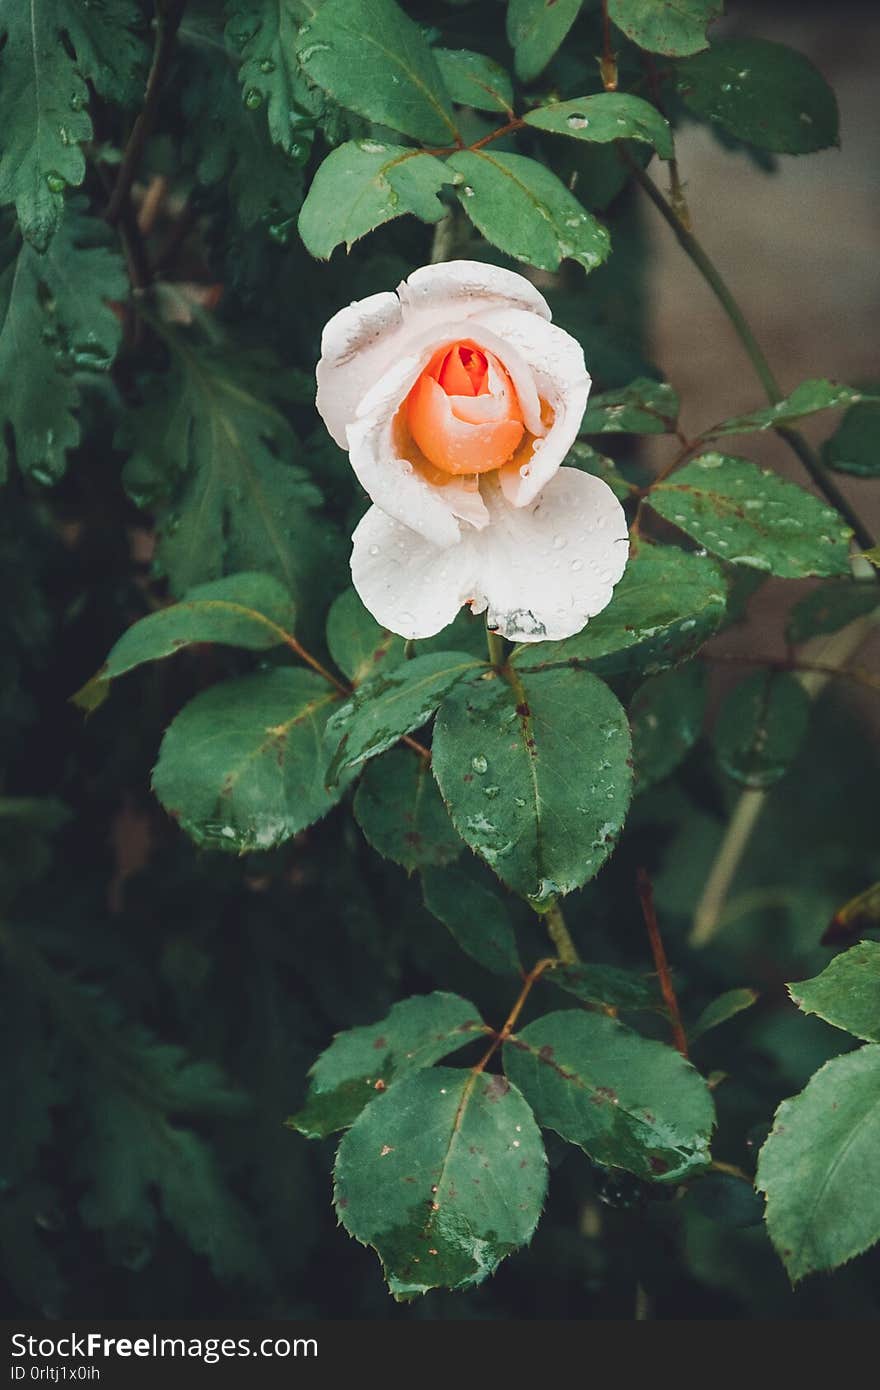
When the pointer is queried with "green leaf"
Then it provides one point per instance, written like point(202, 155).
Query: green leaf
point(231, 147)
point(829, 608)
point(665, 606)
point(750, 516)
point(643, 407)
point(761, 726)
point(214, 458)
point(847, 993)
point(373, 59)
point(809, 398)
point(854, 447)
point(244, 610)
point(54, 318)
point(472, 79)
point(535, 773)
point(666, 717)
point(392, 704)
point(476, 917)
point(399, 809)
point(820, 1167)
point(243, 767)
point(361, 1063)
point(727, 1005)
point(264, 32)
point(444, 1176)
point(364, 183)
point(584, 457)
point(608, 985)
point(626, 1101)
point(49, 51)
point(604, 117)
point(763, 93)
point(674, 27)
point(524, 209)
point(358, 645)
point(535, 29)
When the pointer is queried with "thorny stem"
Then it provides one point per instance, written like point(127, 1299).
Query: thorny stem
point(649, 912)
point(501, 1037)
point(559, 935)
point(496, 649)
point(168, 17)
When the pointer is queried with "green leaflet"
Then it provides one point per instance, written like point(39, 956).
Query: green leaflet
point(673, 27)
point(628, 1102)
point(54, 314)
point(244, 610)
point(666, 716)
point(242, 766)
point(476, 917)
point(49, 50)
point(525, 210)
point(214, 458)
point(809, 398)
point(371, 58)
point(536, 775)
point(361, 1063)
point(536, 28)
point(364, 183)
point(604, 117)
point(761, 726)
point(847, 993)
point(425, 1176)
point(750, 516)
point(726, 1006)
point(762, 92)
point(820, 1167)
point(643, 407)
point(399, 809)
point(472, 79)
point(394, 703)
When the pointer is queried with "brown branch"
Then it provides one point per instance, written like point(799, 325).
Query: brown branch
point(667, 989)
point(533, 976)
point(168, 17)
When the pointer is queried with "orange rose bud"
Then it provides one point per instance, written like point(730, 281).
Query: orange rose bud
point(463, 411)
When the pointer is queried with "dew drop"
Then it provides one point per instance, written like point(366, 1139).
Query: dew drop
point(577, 565)
point(55, 182)
point(576, 122)
point(479, 764)
point(253, 98)
point(374, 550)
point(267, 65)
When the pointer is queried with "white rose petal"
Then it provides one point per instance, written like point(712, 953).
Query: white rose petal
point(539, 571)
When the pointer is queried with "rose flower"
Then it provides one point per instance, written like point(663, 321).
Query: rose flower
point(457, 400)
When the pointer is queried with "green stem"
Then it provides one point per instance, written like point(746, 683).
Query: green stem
point(496, 648)
point(714, 279)
point(558, 932)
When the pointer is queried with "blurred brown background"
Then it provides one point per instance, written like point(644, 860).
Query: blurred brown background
point(799, 249)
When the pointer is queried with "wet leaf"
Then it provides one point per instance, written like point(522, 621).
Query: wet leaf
point(761, 726)
point(472, 79)
point(361, 1063)
point(643, 407)
point(626, 1101)
point(604, 117)
point(672, 26)
point(535, 29)
point(362, 185)
point(427, 1173)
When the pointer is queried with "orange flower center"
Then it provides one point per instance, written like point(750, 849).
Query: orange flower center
point(463, 412)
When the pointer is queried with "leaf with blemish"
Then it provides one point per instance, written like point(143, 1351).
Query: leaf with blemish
point(820, 1167)
point(643, 407)
point(608, 985)
point(357, 643)
point(666, 26)
point(847, 993)
point(604, 117)
point(398, 807)
point(444, 1176)
point(750, 516)
point(535, 772)
point(472, 79)
point(626, 1101)
point(253, 611)
point(243, 766)
point(361, 1063)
